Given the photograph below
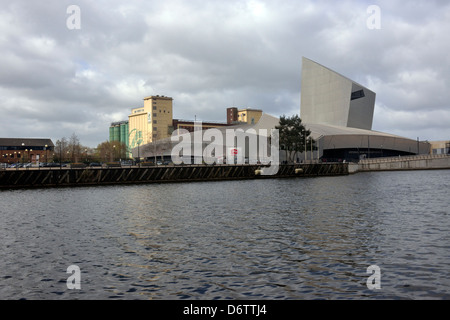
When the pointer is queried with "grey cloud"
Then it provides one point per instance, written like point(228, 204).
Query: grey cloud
point(211, 55)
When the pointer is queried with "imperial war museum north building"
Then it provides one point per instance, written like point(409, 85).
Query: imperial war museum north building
point(339, 113)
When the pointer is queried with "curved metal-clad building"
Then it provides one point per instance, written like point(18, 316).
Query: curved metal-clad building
point(336, 143)
point(339, 113)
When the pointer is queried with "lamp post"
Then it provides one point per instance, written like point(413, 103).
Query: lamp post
point(418, 146)
point(61, 146)
point(46, 153)
point(304, 134)
point(23, 156)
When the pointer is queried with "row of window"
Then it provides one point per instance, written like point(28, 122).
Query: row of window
point(12, 155)
point(154, 108)
point(12, 148)
point(15, 155)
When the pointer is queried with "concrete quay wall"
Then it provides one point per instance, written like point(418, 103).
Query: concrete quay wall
point(424, 162)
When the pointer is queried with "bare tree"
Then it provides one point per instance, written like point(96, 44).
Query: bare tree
point(111, 151)
point(75, 148)
point(61, 148)
point(69, 149)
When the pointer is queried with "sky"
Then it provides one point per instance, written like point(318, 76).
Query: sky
point(73, 70)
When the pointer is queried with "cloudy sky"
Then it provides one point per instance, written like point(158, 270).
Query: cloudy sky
point(57, 79)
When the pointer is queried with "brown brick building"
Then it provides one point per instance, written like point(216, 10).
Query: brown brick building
point(24, 150)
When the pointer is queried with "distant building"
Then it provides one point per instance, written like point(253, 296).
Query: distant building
point(162, 149)
point(339, 113)
point(14, 150)
point(151, 122)
point(154, 121)
point(440, 147)
point(118, 131)
point(190, 125)
point(249, 116)
point(236, 118)
point(232, 115)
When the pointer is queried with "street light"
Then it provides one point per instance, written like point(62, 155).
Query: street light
point(23, 156)
point(46, 153)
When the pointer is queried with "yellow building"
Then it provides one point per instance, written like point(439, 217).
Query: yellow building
point(440, 147)
point(151, 122)
point(250, 116)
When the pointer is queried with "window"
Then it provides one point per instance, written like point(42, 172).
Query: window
point(357, 95)
point(154, 121)
point(155, 129)
point(154, 114)
point(154, 107)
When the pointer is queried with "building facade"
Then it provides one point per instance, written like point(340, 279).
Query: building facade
point(25, 150)
point(190, 125)
point(151, 122)
point(154, 121)
point(247, 115)
point(332, 99)
point(440, 147)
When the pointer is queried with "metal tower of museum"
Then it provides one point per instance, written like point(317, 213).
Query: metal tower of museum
point(339, 112)
point(330, 98)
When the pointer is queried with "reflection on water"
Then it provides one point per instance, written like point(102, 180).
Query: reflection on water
point(257, 239)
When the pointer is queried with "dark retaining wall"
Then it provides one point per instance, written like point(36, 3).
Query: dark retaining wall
point(65, 177)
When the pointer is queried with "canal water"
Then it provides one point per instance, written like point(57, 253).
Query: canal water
point(298, 238)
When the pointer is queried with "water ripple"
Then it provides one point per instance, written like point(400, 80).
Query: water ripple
point(259, 239)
